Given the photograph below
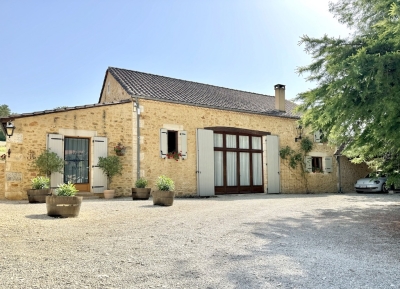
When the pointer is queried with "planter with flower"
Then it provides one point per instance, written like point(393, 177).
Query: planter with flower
point(174, 155)
point(39, 190)
point(120, 149)
point(140, 192)
point(165, 194)
point(64, 203)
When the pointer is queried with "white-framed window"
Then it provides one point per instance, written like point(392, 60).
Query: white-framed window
point(173, 141)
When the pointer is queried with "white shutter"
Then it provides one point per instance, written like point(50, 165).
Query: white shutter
point(163, 143)
point(183, 143)
point(308, 163)
point(55, 143)
point(205, 163)
point(99, 180)
point(328, 164)
point(273, 165)
point(317, 136)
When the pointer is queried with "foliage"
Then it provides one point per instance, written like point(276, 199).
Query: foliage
point(141, 183)
point(174, 155)
point(296, 158)
point(67, 190)
point(356, 98)
point(4, 112)
point(111, 166)
point(49, 162)
point(40, 183)
point(119, 148)
point(165, 184)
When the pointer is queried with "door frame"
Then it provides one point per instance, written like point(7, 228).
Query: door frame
point(82, 187)
point(238, 189)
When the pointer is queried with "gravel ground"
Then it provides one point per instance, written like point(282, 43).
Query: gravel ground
point(251, 241)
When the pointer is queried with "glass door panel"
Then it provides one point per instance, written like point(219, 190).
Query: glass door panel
point(257, 169)
point(76, 156)
point(218, 168)
point(244, 169)
point(231, 169)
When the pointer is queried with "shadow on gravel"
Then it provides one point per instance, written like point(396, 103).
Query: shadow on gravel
point(39, 217)
point(353, 248)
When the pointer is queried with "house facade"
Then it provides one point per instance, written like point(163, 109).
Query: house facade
point(209, 140)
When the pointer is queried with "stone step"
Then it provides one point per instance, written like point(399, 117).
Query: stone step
point(88, 195)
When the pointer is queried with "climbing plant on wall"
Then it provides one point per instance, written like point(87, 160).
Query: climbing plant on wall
point(295, 158)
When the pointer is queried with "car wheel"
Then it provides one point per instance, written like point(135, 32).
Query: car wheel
point(385, 189)
point(357, 191)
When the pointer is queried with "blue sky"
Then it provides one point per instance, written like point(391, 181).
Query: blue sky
point(55, 53)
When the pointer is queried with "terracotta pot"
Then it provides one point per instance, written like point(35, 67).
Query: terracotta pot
point(141, 193)
point(163, 198)
point(109, 194)
point(38, 196)
point(61, 206)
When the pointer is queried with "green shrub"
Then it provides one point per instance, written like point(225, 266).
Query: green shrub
point(67, 190)
point(111, 166)
point(40, 183)
point(141, 183)
point(49, 162)
point(165, 184)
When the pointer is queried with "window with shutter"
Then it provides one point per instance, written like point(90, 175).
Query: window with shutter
point(172, 141)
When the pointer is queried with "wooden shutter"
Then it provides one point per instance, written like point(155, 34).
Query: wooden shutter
point(163, 143)
point(308, 163)
point(328, 164)
point(205, 162)
point(273, 165)
point(183, 143)
point(55, 143)
point(99, 181)
point(317, 136)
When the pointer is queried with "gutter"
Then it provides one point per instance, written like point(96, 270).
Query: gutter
point(136, 104)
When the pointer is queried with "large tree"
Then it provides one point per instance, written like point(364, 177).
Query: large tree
point(4, 112)
point(357, 95)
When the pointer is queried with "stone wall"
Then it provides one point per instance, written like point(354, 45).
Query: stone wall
point(350, 173)
point(116, 122)
point(156, 115)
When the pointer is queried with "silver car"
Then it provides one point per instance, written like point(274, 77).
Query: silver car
point(372, 183)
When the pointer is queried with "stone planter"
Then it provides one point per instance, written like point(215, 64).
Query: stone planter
point(141, 193)
point(38, 196)
point(61, 206)
point(109, 194)
point(163, 198)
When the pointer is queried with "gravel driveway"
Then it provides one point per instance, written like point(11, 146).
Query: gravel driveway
point(251, 241)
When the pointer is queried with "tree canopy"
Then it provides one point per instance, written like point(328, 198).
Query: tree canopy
point(357, 96)
point(4, 111)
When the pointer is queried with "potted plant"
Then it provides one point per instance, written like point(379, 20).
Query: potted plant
point(119, 149)
point(49, 162)
point(111, 166)
point(140, 192)
point(64, 203)
point(165, 194)
point(39, 190)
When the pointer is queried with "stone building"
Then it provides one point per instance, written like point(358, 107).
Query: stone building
point(208, 139)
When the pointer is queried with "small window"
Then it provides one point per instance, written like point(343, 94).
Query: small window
point(317, 165)
point(172, 141)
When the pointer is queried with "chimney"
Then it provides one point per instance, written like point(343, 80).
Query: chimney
point(280, 97)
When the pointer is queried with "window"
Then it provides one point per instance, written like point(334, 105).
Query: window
point(317, 165)
point(173, 141)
